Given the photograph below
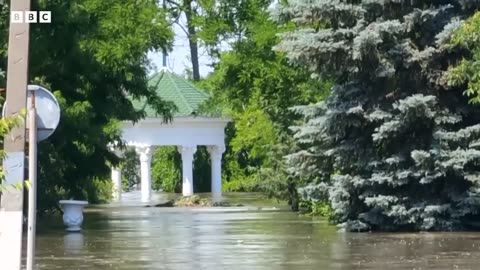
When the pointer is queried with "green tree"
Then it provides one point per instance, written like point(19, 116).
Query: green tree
point(255, 85)
point(130, 169)
point(6, 125)
point(190, 10)
point(93, 57)
point(166, 169)
point(202, 170)
point(465, 74)
point(209, 24)
point(222, 22)
point(394, 147)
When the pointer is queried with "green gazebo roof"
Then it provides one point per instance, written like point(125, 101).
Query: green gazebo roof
point(173, 88)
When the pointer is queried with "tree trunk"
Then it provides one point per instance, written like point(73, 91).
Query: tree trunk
point(293, 194)
point(192, 38)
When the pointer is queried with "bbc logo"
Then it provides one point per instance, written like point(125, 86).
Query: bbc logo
point(31, 17)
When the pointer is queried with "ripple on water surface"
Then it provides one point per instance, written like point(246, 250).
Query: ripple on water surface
point(129, 236)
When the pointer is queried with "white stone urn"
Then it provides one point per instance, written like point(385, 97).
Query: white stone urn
point(73, 214)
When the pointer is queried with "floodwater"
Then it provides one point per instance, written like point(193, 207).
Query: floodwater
point(129, 236)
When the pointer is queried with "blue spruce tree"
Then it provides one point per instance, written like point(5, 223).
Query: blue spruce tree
point(395, 146)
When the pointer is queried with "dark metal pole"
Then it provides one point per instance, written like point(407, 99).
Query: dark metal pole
point(164, 50)
point(11, 206)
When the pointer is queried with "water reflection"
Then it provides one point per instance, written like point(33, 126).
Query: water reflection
point(120, 237)
point(73, 243)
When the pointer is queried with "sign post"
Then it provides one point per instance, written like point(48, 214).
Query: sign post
point(32, 190)
point(11, 204)
point(43, 118)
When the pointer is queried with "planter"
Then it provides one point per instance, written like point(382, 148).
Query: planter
point(73, 214)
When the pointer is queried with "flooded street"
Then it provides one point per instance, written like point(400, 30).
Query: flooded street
point(132, 237)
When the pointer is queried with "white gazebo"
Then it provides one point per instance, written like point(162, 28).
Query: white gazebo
point(187, 130)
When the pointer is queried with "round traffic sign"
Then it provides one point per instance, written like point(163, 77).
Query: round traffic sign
point(48, 111)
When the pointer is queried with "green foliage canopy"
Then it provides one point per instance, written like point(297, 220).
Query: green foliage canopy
point(6, 125)
point(394, 147)
point(467, 71)
point(93, 56)
point(255, 86)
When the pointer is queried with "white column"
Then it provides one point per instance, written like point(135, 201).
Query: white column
point(145, 154)
point(117, 183)
point(116, 174)
point(216, 153)
point(187, 168)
